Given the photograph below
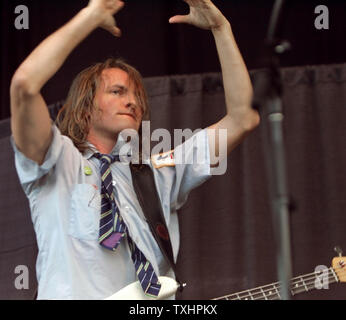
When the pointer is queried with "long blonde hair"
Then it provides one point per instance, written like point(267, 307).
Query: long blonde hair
point(73, 118)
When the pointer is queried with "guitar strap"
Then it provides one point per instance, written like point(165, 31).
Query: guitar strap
point(145, 188)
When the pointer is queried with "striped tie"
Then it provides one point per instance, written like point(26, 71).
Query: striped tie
point(113, 229)
point(112, 226)
point(145, 271)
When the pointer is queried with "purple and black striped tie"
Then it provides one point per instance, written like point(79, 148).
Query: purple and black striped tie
point(113, 228)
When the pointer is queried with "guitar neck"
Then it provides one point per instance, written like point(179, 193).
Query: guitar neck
point(299, 284)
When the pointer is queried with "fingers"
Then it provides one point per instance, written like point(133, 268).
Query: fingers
point(114, 7)
point(111, 26)
point(179, 19)
point(118, 6)
point(116, 32)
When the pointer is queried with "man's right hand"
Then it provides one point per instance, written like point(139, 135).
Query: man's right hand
point(30, 120)
point(104, 11)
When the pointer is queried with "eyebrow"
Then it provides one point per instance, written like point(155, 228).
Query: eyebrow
point(119, 86)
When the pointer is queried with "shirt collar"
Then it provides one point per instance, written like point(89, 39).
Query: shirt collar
point(121, 148)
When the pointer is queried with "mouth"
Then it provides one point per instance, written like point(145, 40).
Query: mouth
point(129, 115)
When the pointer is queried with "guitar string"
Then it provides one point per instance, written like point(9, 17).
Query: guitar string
point(297, 291)
point(267, 293)
point(305, 281)
point(276, 295)
point(273, 286)
point(310, 285)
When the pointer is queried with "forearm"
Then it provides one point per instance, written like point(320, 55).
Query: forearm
point(240, 118)
point(49, 56)
point(236, 80)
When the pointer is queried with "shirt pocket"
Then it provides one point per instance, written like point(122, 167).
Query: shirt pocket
point(85, 212)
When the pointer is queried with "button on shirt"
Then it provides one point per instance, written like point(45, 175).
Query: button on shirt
point(64, 198)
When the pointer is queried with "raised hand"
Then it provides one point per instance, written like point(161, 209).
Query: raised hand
point(203, 14)
point(104, 10)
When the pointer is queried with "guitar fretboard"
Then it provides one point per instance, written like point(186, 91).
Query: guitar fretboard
point(272, 291)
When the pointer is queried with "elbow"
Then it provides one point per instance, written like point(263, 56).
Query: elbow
point(21, 85)
point(255, 120)
point(250, 120)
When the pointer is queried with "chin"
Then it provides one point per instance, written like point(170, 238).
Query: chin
point(129, 126)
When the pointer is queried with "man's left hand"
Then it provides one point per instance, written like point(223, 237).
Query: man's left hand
point(203, 14)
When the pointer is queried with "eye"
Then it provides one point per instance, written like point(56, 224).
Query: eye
point(118, 91)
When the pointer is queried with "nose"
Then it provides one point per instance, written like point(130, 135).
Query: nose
point(131, 100)
point(131, 103)
point(131, 107)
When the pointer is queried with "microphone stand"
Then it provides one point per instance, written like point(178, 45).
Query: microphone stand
point(268, 101)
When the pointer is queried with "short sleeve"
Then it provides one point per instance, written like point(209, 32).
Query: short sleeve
point(191, 168)
point(28, 170)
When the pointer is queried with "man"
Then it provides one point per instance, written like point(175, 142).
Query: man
point(59, 169)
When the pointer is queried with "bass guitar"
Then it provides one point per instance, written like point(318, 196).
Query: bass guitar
point(304, 283)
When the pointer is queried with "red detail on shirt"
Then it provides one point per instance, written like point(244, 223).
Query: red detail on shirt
point(162, 231)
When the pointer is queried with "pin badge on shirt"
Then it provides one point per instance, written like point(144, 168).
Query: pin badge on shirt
point(88, 171)
point(165, 159)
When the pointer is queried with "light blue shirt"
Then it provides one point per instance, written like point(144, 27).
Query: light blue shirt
point(65, 209)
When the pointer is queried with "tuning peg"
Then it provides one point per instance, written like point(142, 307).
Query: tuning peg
point(338, 250)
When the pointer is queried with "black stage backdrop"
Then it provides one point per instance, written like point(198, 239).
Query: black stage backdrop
point(157, 48)
point(227, 242)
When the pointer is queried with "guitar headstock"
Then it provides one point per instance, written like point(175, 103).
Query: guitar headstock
point(339, 266)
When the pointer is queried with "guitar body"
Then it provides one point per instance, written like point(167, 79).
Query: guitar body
point(134, 291)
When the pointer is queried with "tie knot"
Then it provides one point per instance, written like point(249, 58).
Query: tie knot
point(107, 158)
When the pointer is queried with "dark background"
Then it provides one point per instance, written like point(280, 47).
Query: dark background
point(157, 48)
point(227, 233)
